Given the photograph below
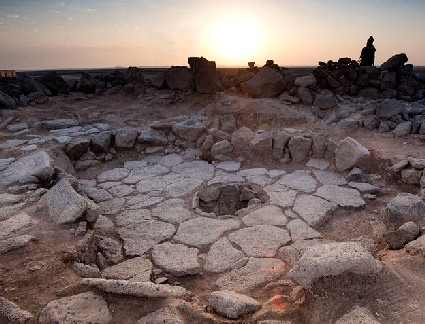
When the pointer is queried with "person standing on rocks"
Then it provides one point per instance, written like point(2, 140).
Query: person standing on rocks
point(367, 57)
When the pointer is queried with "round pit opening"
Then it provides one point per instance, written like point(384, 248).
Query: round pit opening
point(229, 199)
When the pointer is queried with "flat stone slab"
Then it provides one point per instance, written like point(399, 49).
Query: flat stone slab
point(113, 206)
point(202, 231)
point(64, 204)
point(136, 269)
point(260, 240)
point(314, 210)
point(299, 180)
point(97, 194)
point(15, 243)
point(16, 224)
point(137, 289)
point(318, 164)
point(130, 217)
point(82, 308)
point(252, 172)
point(344, 197)
point(196, 169)
point(330, 178)
point(222, 256)
point(267, 215)
point(364, 187)
point(9, 199)
point(282, 198)
point(229, 166)
point(333, 259)
point(147, 172)
point(301, 231)
point(121, 191)
point(140, 237)
point(231, 304)
point(113, 175)
point(224, 177)
point(171, 160)
point(256, 273)
point(176, 259)
point(260, 180)
point(172, 211)
point(165, 315)
point(143, 201)
point(38, 164)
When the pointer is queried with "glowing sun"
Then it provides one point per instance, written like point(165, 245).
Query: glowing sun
point(236, 38)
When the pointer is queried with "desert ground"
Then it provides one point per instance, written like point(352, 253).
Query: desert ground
point(124, 213)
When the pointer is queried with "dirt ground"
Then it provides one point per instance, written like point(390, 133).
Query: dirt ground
point(34, 275)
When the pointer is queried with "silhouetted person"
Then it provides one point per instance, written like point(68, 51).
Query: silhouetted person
point(367, 57)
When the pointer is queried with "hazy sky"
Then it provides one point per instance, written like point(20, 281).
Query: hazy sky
point(92, 33)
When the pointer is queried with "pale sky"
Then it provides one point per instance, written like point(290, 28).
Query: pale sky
point(43, 34)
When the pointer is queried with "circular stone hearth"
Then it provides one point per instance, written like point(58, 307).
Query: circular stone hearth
point(220, 200)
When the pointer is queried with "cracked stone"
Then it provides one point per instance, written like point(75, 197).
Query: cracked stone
point(268, 215)
point(344, 197)
point(176, 259)
point(314, 210)
point(222, 256)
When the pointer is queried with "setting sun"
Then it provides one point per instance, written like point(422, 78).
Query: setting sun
point(235, 39)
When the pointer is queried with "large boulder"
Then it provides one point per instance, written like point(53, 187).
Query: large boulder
point(29, 85)
point(55, 83)
point(403, 208)
point(6, 102)
point(87, 83)
point(325, 100)
point(179, 78)
point(134, 75)
point(333, 259)
point(349, 153)
point(267, 83)
point(307, 81)
point(394, 62)
point(389, 108)
point(205, 74)
point(190, 128)
point(38, 165)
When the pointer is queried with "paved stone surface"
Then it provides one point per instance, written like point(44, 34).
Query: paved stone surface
point(256, 273)
point(333, 259)
point(38, 164)
point(97, 194)
point(344, 197)
point(200, 232)
point(9, 199)
point(403, 208)
point(260, 180)
point(224, 177)
point(142, 201)
point(171, 160)
point(165, 315)
point(301, 231)
point(145, 173)
point(121, 191)
point(65, 205)
point(222, 256)
point(231, 304)
point(196, 169)
point(172, 211)
point(136, 216)
point(260, 240)
point(252, 172)
point(16, 224)
point(176, 259)
point(299, 180)
point(82, 308)
point(358, 315)
point(268, 215)
point(136, 269)
point(330, 178)
point(110, 248)
point(314, 210)
point(113, 175)
point(140, 237)
point(137, 289)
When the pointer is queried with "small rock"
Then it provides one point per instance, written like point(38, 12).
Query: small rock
point(358, 315)
point(403, 208)
point(231, 304)
point(404, 234)
point(13, 313)
point(165, 315)
point(349, 153)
